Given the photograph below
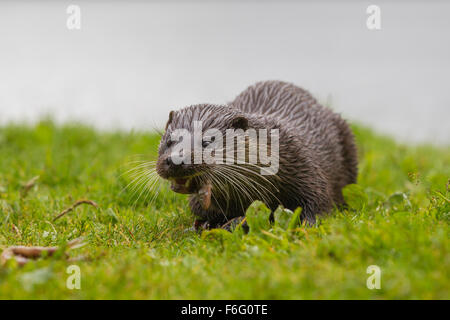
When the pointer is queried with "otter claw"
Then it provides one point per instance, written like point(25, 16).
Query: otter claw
point(201, 225)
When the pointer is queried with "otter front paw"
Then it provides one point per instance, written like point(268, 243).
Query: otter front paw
point(200, 225)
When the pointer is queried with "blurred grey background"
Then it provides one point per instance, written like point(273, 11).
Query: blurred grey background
point(134, 61)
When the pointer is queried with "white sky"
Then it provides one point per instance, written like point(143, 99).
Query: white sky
point(132, 62)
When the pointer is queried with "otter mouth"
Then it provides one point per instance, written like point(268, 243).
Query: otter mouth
point(193, 185)
point(185, 185)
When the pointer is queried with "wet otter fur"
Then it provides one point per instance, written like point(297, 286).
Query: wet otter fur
point(317, 155)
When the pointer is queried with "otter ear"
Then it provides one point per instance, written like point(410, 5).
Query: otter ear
point(239, 122)
point(170, 119)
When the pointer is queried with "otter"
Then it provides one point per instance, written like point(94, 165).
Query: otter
point(317, 156)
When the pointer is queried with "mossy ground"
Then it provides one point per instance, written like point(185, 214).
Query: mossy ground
point(398, 220)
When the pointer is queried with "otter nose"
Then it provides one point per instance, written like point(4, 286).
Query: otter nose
point(172, 164)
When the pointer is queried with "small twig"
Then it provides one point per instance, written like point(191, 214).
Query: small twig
point(23, 254)
point(27, 186)
point(76, 204)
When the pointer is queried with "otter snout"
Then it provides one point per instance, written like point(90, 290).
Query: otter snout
point(180, 174)
point(167, 168)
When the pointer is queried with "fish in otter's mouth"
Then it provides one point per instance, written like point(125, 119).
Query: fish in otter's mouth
point(185, 185)
point(193, 185)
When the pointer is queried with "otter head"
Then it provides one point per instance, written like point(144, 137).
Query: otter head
point(193, 141)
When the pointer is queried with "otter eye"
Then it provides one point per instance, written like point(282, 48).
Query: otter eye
point(206, 143)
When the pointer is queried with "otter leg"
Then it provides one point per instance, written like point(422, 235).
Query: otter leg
point(310, 219)
point(308, 215)
point(206, 218)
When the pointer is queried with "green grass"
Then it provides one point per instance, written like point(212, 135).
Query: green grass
point(398, 220)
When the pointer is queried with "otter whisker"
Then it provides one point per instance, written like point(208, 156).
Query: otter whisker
point(148, 187)
point(215, 185)
point(254, 180)
point(243, 179)
point(253, 172)
point(137, 185)
point(149, 181)
point(137, 182)
point(144, 165)
point(231, 178)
